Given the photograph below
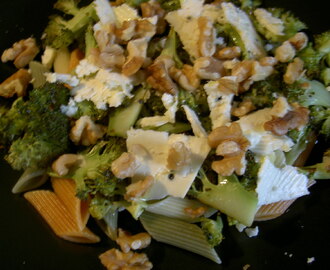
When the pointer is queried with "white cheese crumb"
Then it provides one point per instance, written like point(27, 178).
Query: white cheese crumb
point(240, 227)
point(62, 78)
point(104, 11)
point(252, 232)
point(70, 109)
point(85, 68)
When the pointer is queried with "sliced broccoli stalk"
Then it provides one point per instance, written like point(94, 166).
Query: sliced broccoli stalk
point(67, 6)
point(177, 127)
point(320, 170)
point(170, 49)
point(228, 196)
point(61, 33)
point(90, 42)
point(292, 25)
point(122, 119)
point(308, 93)
point(212, 230)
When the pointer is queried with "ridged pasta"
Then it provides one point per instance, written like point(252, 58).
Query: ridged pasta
point(58, 217)
point(65, 189)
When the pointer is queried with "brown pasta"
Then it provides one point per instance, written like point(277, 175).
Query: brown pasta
point(51, 208)
point(65, 189)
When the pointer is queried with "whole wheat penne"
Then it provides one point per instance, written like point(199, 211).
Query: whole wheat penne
point(51, 208)
point(65, 189)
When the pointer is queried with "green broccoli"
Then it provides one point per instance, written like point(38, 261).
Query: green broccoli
point(250, 177)
point(170, 5)
point(170, 48)
point(213, 230)
point(61, 32)
point(308, 93)
point(312, 61)
point(37, 131)
point(94, 178)
point(322, 42)
point(228, 196)
point(87, 107)
point(135, 3)
point(319, 170)
point(69, 7)
point(320, 119)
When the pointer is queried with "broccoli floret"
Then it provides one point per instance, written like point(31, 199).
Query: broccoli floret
point(170, 5)
point(170, 48)
point(38, 131)
point(292, 25)
point(319, 170)
point(308, 93)
point(87, 107)
point(250, 177)
point(322, 42)
point(93, 175)
point(61, 32)
point(320, 119)
point(90, 42)
point(249, 5)
point(135, 3)
point(312, 60)
point(67, 6)
point(228, 196)
point(212, 230)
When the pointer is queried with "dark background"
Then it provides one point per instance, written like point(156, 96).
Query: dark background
point(26, 242)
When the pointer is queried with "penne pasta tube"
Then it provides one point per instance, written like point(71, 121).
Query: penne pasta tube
point(65, 189)
point(51, 208)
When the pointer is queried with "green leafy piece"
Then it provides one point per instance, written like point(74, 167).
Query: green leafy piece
point(61, 32)
point(320, 170)
point(212, 230)
point(228, 196)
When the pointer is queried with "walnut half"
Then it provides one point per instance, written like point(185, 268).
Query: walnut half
point(15, 84)
point(128, 242)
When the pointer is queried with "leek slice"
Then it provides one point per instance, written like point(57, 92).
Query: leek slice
point(178, 233)
point(38, 71)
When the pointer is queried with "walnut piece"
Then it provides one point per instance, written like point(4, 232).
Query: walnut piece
point(291, 120)
point(228, 85)
point(153, 8)
point(229, 53)
point(186, 77)
point(128, 242)
point(294, 71)
point(138, 189)
point(195, 212)
point(63, 163)
point(209, 68)
point(299, 41)
point(15, 84)
point(126, 31)
point(179, 156)
point(86, 132)
point(243, 108)
point(124, 166)
point(137, 54)
point(22, 52)
point(228, 165)
point(206, 39)
point(242, 70)
point(114, 259)
point(268, 61)
point(160, 78)
point(228, 148)
point(285, 53)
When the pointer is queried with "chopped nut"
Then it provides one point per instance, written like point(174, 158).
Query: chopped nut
point(15, 84)
point(299, 41)
point(186, 77)
point(105, 37)
point(245, 85)
point(22, 52)
point(126, 241)
point(206, 39)
point(294, 71)
point(285, 53)
point(242, 70)
point(229, 53)
point(114, 259)
point(160, 78)
point(228, 165)
point(152, 8)
point(292, 120)
point(268, 61)
point(195, 213)
point(209, 68)
point(260, 72)
point(137, 189)
point(62, 165)
point(86, 132)
point(179, 156)
point(244, 108)
point(228, 148)
point(137, 53)
point(145, 29)
point(124, 166)
point(126, 31)
point(228, 85)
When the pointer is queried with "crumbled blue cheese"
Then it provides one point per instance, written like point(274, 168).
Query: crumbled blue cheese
point(244, 27)
point(273, 24)
point(70, 109)
point(171, 104)
point(62, 78)
point(279, 184)
point(105, 89)
point(196, 125)
point(153, 161)
point(220, 104)
point(252, 232)
point(125, 12)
